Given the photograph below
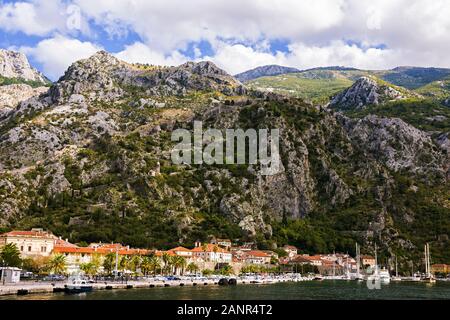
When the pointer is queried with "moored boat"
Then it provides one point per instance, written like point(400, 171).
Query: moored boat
point(77, 285)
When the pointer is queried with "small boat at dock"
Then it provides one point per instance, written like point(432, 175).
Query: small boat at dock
point(77, 285)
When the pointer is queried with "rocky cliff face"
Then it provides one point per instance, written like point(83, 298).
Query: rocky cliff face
point(92, 158)
point(15, 65)
point(364, 92)
point(12, 95)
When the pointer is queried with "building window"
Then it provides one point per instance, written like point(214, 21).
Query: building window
point(21, 248)
point(29, 248)
point(43, 249)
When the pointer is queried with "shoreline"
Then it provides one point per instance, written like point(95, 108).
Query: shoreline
point(22, 289)
point(38, 288)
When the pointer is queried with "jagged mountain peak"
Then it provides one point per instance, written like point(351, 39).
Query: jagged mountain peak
point(367, 91)
point(204, 68)
point(104, 77)
point(15, 65)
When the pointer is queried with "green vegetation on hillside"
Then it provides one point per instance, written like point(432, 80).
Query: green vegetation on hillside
point(437, 90)
point(426, 115)
point(317, 91)
point(7, 81)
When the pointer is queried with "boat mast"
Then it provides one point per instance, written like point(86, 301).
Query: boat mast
point(426, 260)
point(116, 271)
point(376, 259)
point(396, 267)
point(334, 264)
point(357, 259)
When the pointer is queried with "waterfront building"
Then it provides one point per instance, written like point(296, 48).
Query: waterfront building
point(181, 252)
point(9, 275)
point(34, 243)
point(291, 251)
point(211, 253)
point(257, 257)
point(95, 253)
point(440, 268)
point(368, 261)
point(315, 260)
point(224, 243)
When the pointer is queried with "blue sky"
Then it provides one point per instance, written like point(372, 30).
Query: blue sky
point(236, 35)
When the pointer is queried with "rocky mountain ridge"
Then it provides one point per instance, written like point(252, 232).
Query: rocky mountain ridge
point(15, 65)
point(90, 159)
point(364, 92)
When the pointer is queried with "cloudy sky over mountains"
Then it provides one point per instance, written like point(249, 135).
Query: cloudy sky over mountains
point(236, 34)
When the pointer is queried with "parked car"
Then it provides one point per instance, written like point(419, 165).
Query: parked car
point(54, 277)
point(26, 275)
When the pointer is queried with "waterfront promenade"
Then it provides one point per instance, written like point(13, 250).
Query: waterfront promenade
point(29, 287)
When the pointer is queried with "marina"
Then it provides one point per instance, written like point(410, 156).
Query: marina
point(82, 286)
point(304, 290)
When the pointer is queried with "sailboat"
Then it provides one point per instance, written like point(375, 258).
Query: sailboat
point(380, 275)
point(358, 276)
point(396, 278)
point(415, 277)
point(429, 277)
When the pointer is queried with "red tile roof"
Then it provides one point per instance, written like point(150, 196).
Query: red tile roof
point(29, 234)
point(180, 249)
point(258, 253)
point(63, 243)
point(210, 248)
point(100, 250)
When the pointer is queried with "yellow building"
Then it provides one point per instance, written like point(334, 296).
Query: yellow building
point(440, 268)
point(34, 243)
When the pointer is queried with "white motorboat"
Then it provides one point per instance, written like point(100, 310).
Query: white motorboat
point(384, 276)
point(78, 285)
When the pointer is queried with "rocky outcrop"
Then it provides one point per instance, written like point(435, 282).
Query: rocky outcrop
point(364, 92)
point(396, 144)
point(12, 95)
point(15, 65)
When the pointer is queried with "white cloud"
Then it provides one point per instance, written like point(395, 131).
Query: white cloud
point(42, 18)
point(319, 32)
point(58, 53)
point(239, 58)
point(169, 25)
point(140, 53)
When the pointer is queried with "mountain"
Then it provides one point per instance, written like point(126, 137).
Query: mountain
point(364, 92)
point(91, 160)
point(264, 71)
point(104, 77)
point(14, 66)
point(319, 85)
point(415, 77)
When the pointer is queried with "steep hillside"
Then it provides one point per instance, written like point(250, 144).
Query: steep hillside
point(90, 160)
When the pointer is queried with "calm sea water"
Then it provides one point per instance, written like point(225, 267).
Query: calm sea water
point(330, 290)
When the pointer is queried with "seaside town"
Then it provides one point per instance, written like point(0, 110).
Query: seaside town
point(28, 254)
